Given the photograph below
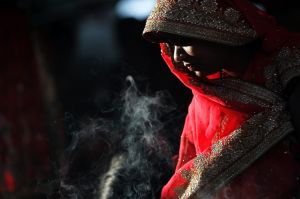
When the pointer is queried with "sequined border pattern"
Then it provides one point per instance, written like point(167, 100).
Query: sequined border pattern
point(232, 155)
point(236, 93)
point(236, 90)
point(199, 19)
point(285, 67)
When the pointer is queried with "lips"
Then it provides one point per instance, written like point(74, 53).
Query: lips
point(198, 73)
point(195, 70)
point(192, 68)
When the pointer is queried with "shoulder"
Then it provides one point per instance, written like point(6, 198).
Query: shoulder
point(284, 68)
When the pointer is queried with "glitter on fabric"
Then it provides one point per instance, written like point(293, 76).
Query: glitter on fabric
point(198, 19)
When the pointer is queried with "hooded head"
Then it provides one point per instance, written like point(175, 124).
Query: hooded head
point(210, 20)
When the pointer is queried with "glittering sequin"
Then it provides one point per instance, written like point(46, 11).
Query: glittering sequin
point(234, 153)
point(199, 19)
point(232, 15)
point(231, 155)
point(285, 67)
point(233, 90)
point(209, 6)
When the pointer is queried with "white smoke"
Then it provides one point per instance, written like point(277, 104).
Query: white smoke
point(127, 157)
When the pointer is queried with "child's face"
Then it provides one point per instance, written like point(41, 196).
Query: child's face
point(204, 58)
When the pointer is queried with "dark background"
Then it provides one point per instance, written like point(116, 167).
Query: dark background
point(61, 63)
point(65, 61)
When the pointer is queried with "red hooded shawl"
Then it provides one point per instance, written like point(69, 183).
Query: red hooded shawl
point(236, 141)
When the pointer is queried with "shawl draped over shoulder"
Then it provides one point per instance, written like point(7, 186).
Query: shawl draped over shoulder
point(237, 141)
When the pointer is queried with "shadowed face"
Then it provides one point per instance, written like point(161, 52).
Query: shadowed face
point(204, 58)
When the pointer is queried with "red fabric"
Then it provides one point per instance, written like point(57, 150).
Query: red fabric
point(209, 119)
point(273, 36)
point(275, 173)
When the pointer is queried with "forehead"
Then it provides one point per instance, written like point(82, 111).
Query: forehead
point(176, 39)
point(188, 41)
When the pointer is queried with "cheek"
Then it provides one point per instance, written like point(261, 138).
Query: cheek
point(198, 52)
point(206, 55)
point(191, 51)
point(213, 56)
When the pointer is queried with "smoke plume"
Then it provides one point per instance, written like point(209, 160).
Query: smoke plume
point(124, 157)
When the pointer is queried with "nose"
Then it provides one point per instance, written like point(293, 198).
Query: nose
point(179, 54)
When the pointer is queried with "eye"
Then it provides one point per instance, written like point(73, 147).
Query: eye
point(183, 43)
point(170, 47)
point(179, 41)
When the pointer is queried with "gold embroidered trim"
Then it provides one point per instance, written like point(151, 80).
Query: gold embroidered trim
point(200, 19)
point(237, 90)
point(231, 155)
point(236, 93)
point(285, 67)
point(232, 90)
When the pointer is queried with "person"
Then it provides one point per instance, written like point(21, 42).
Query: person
point(239, 139)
